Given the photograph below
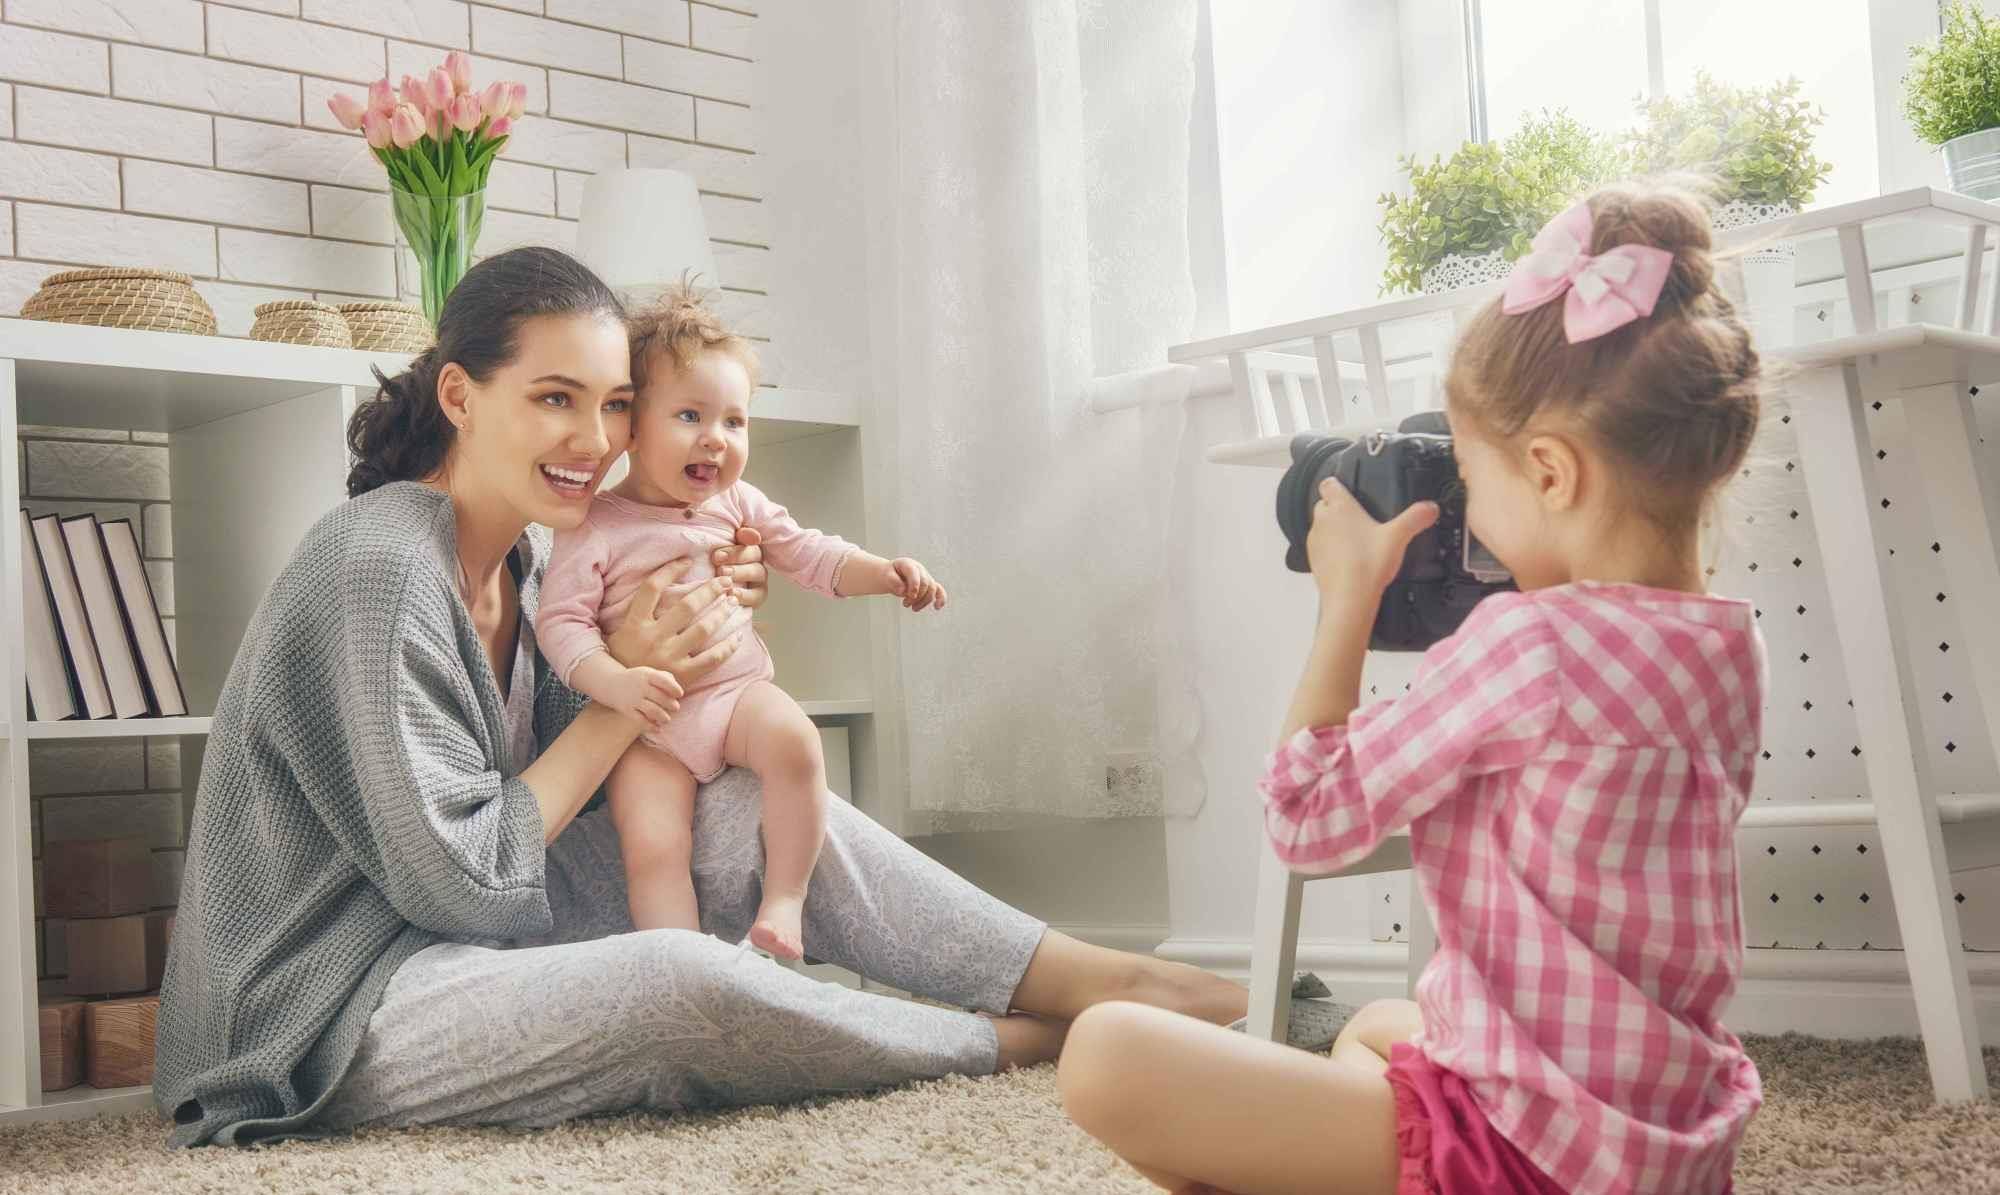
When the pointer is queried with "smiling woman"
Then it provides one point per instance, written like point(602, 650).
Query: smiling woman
point(397, 908)
point(524, 327)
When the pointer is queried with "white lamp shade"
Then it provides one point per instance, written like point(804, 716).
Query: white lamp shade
point(641, 230)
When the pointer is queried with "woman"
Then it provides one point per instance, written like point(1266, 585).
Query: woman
point(393, 912)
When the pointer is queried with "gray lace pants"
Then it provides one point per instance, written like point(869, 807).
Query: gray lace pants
point(597, 1017)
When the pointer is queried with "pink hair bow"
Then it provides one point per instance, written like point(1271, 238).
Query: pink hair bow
point(1606, 292)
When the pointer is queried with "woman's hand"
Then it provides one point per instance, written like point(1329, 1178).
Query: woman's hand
point(1354, 557)
point(744, 566)
point(689, 636)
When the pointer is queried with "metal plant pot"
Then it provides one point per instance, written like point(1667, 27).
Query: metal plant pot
point(1972, 163)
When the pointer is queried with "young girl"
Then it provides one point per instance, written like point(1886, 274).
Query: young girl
point(690, 441)
point(1570, 764)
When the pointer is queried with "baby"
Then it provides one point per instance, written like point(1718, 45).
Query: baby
point(685, 496)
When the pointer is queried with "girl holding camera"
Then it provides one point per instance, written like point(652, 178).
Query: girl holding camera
point(1571, 765)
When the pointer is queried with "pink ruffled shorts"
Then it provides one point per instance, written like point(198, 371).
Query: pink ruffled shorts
point(1444, 1141)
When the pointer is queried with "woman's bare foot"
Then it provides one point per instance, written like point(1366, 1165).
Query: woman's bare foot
point(1187, 989)
point(777, 927)
point(1026, 1040)
point(1066, 976)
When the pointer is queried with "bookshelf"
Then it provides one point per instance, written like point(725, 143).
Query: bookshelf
point(256, 454)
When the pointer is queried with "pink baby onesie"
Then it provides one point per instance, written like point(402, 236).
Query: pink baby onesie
point(597, 568)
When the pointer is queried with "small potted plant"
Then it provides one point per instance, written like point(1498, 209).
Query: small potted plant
point(1571, 158)
point(1952, 99)
point(1753, 146)
point(1754, 143)
point(1465, 220)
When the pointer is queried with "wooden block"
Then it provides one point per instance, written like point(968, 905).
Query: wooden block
point(118, 1041)
point(97, 877)
point(108, 955)
point(62, 1042)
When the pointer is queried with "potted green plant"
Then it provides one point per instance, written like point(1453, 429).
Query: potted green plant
point(1952, 99)
point(1571, 158)
point(1754, 143)
point(1466, 219)
point(1753, 146)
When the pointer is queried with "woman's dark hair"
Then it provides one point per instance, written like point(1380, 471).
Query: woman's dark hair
point(401, 434)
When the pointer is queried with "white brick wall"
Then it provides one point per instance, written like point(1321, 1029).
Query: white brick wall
point(194, 134)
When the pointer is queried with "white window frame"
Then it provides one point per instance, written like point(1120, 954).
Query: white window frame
point(1902, 160)
point(1894, 25)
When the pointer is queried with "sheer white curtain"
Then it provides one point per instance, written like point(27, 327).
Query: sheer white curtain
point(1030, 233)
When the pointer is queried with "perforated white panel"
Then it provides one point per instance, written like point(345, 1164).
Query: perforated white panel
point(1826, 888)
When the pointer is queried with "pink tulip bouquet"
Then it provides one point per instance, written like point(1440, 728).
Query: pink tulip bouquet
point(437, 137)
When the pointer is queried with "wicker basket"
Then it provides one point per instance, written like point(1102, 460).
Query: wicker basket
point(387, 327)
point(301, 321)
point(155, 300)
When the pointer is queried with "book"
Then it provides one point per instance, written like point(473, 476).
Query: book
point(52, 695)
point(107, 621)
point(142, 618)
point(86, 668)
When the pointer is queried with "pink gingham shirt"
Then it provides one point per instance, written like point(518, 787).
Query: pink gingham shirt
point(1571, 766)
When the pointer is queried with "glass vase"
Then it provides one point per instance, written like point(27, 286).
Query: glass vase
point(434, 239)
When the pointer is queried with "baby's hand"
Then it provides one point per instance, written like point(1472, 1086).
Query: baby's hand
point(648, 693)
point(915, 585)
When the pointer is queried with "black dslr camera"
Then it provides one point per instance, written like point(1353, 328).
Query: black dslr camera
point(1446, 571)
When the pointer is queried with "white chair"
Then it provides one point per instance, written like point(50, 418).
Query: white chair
point(1275, 940)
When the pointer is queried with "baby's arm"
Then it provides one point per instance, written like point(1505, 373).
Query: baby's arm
point(867, 574)
point(647, 693)
point(828, 564)
point(1484, 700)
point(566, 631)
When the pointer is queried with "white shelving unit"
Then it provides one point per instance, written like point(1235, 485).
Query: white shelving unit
point(257, 453)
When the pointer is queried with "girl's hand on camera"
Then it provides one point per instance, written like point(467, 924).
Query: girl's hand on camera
point(1352, 555)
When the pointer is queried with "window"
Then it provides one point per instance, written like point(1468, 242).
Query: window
point(1314, 100)
point(1592, 56)
point(1588, 56)
point(1824, 43)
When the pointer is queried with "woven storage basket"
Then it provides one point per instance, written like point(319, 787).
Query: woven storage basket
point(387, 327)
point(301, 321)
point(155, 300)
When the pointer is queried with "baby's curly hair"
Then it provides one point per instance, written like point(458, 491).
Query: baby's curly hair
point(680, 326)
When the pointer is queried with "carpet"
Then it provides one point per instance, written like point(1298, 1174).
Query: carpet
point(1838, 1117)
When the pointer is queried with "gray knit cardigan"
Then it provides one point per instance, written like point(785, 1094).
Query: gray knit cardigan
point(352, 811)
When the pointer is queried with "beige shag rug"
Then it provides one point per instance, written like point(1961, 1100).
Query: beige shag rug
point(1838, 1116)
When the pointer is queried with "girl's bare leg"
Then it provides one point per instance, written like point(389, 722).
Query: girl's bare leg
point(1066, 976)
point(1185, 1103)
point(651, 795)
point(1365, 1041)
point(772, 736)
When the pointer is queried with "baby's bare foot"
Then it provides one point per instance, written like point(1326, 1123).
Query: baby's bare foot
point(777, 929)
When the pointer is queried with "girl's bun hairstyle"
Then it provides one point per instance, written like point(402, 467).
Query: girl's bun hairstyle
point(1674, 398)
